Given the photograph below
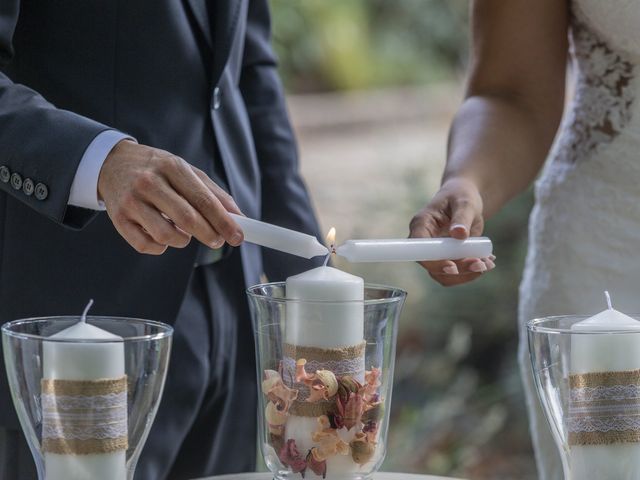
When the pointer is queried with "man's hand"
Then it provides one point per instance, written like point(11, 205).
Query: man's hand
point(456, 211)
point(157, 200)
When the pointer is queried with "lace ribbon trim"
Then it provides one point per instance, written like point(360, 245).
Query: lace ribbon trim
point(604, 408)
point(342, 361)
point(84, 417)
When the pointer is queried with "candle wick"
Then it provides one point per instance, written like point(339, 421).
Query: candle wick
point(83, 319)
point(332, 251)
point(608, 297)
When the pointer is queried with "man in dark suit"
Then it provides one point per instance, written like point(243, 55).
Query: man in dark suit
point(154, 110)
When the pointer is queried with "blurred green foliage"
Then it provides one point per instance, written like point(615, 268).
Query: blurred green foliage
point(328, 45)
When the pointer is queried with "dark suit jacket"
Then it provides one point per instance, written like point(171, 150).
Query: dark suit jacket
point(71, 69)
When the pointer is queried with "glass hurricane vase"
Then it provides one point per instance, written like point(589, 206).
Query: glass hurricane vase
point(587, 374)
point(325, 384)
point(86, 392)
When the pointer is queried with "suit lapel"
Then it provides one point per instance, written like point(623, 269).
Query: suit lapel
point(219, 36)
point(201, 17)
point(225, 18)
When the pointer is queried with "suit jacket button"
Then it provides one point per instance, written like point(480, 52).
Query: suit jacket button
point(217, 95)
point(41, 191)
point(16, 181)
point(5, 174)
point(28, 187)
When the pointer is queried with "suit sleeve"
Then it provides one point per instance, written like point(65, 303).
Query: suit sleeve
point(39, 141)
point(285, 200)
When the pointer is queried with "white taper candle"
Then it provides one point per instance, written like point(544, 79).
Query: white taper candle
point(414, 249)
point(279, 238)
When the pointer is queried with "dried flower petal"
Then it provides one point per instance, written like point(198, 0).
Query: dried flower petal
point(373, 411)
point(275, 419)
point(271, 378)
point(371, 385)
point(336, 420)
point(274, 388)
point(347, 385)
point(322, 384)
point(371, 430)
point(362, 449)
point(351, 411)
point(327, 440)
point(329, 380)
point(316, 464)
point(301, 374)
point(276, 441)
point(290, 457)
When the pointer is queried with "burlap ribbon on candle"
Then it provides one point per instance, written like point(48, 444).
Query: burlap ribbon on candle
point(84, 417)
point(341, 361)
point(604, 408)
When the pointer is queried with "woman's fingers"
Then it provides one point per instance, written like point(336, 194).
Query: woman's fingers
point(453, 280)
point(456, 272)
point(463, 215)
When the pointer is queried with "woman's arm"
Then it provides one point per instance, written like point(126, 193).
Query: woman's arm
point(506, 124)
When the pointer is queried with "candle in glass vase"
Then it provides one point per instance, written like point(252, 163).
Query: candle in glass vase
point(604, 409)
point(325, 332)
point(84, 402)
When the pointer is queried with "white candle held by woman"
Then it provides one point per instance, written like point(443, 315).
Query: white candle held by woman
point(605, 359)
point(82, 353)
point(415, 249)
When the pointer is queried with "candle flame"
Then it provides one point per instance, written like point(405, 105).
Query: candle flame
point(331, 237)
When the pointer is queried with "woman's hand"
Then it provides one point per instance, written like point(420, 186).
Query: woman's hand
point(455, 211)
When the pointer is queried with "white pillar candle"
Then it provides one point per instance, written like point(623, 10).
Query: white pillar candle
point(324, 325)
point(414, 249)
point(84, 352)
point(279, 238)
point(605, 353)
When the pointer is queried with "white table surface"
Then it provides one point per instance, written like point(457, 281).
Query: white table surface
point(379, 476)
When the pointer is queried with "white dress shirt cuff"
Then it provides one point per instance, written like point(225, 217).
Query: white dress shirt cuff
point(84, 189)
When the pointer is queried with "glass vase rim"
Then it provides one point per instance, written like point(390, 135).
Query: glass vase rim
point(537, 325)
point(398, 295)
point(164, 330)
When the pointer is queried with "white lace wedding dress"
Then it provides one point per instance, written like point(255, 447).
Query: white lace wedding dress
point(584, 233)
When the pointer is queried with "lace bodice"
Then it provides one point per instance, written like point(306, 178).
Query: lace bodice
point(605, 66)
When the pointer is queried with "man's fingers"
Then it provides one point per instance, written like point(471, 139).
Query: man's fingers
point(159, 228)
point(188, 184)
point(227, 200)
point(187, 218)
point(139, 239)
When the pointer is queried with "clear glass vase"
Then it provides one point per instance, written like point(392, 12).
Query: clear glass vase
point(325, 384)
point(588, 381)
point(86, 392)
